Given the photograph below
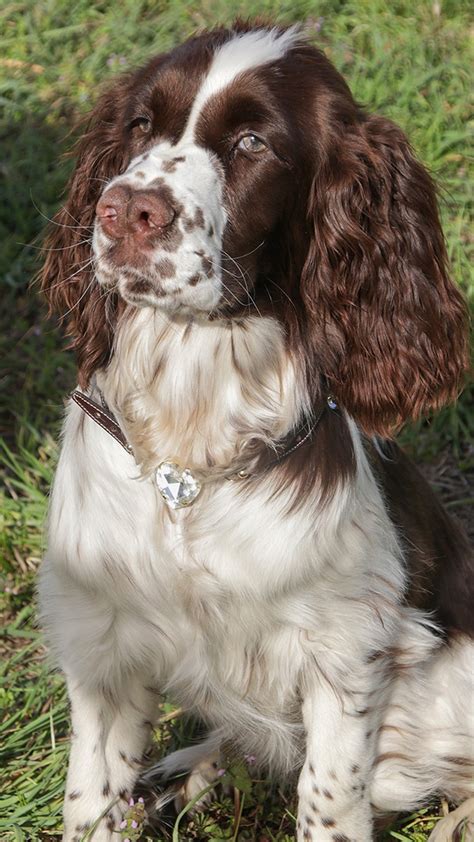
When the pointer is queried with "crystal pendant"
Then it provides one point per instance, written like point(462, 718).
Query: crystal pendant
point(176, 485)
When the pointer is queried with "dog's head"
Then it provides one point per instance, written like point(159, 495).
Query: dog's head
point(236, 173)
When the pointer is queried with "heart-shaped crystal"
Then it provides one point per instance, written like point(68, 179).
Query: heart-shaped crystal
point(177, 486)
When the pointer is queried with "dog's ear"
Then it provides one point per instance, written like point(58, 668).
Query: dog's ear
point(67, 277)
point(387, 324)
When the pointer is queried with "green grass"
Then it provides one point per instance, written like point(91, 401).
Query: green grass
point(410, 62)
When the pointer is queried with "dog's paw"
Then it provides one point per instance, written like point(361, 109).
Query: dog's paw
point(204, 773)
point(457, 826)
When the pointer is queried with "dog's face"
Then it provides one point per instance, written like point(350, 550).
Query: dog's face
point(236, 175)
point(214, 151)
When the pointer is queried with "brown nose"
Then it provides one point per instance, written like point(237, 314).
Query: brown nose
point(141, 213)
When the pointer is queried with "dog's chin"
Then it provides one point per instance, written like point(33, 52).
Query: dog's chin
point(183, 301)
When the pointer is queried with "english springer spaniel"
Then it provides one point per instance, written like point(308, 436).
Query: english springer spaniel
point(253, 274)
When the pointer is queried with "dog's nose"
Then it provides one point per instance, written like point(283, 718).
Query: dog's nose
point(141, 213)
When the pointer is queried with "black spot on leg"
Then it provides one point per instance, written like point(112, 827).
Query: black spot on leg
point(81, 828)
point(333, 775)
point(147, 723)
point(327, 794)
point(313, 807)
point(106, 789)
point(74, 794)
point(328, 822)
point(124, 795)
point(340, 837)
point(311, 769)
point(309, 821)
point(123, 756)
point(355, 768)
point(110, 822)
point(315, 789)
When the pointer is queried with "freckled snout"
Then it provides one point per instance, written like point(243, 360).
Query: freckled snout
point(140, 214)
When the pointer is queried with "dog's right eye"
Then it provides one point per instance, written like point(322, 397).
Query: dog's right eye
point(143, 124)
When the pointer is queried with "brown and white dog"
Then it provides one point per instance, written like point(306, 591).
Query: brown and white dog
point(254, 276)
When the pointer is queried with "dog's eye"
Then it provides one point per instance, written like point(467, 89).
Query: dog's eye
point(252, 143)
point(143, 124)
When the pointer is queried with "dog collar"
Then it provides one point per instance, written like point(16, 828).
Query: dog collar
point(179, 486)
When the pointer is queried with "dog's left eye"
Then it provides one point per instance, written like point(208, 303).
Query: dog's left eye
point(252, 143)
point(141, 123)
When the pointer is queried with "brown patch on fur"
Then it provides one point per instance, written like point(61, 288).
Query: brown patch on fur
point(208, 266)
point(197, 221)
point(391, 755)
point(169, 166)
point(139, 286)
point(74, 794)
point(440, 560)
point(194, 279)
point(322, 463)
point(327, 794)
point(328, 822)
point(165, 267)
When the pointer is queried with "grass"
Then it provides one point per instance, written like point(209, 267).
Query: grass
point(410, 62)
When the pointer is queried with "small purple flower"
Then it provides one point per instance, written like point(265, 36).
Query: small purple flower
point(122, 60)
point(134, 824)
point(141, 801)
point(131, 803)
point(251, 759)
point(123, 824)
point(220, 772)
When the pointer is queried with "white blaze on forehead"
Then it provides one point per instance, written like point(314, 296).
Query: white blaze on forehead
point(244, 52)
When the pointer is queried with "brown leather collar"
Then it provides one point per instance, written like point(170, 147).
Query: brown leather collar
point(105, 419)
point(102, 416)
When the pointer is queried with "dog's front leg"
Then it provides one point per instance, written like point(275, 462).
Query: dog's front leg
point(110, 733)
point(333, 798)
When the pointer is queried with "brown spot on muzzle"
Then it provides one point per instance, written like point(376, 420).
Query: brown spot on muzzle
point(165, 268)
point(139, 287)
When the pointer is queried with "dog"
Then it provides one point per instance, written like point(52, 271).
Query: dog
point(253, 275)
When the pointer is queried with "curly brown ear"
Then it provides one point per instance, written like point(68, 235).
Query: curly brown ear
point(389, 325)
point(67, 277)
